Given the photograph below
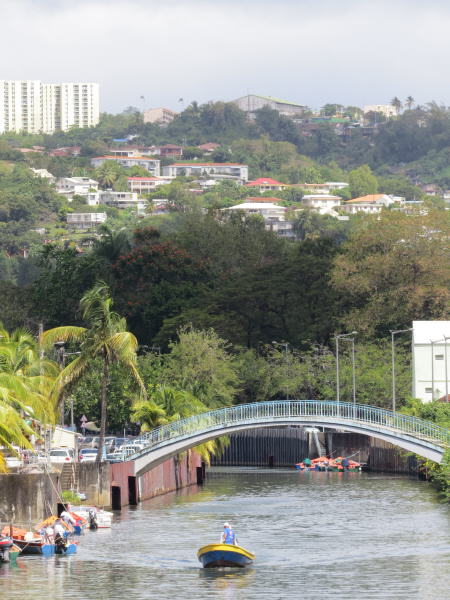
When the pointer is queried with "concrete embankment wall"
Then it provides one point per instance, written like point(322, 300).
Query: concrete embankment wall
point(27, 498)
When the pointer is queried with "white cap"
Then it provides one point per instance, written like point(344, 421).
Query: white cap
point(226, 524)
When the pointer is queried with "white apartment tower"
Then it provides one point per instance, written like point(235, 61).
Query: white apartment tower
point(36, 107)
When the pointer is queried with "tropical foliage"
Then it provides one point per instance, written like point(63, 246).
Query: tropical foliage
point(105, 337)
point(25, 383)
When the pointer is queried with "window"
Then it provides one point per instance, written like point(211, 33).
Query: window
point(439, 356)
point(428, 390)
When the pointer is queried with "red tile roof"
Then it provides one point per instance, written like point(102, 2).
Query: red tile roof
point(206, 164)
point(263, 181)
point(125, 157)
point(370, 198)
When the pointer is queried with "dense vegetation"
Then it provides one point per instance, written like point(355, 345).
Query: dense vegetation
point(208, 299)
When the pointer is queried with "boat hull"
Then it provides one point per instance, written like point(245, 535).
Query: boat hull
point(44, 549)
point(224, 555)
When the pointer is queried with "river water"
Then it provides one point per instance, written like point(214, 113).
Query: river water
point(316, 536)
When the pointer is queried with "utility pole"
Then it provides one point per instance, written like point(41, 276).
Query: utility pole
point(393, 333)
point(343, 336)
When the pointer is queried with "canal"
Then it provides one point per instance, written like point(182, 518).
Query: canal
point(316, 535)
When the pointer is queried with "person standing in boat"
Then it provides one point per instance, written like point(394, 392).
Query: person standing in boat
point(228, 536)
point(67, 518)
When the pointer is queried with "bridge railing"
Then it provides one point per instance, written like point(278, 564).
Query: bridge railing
point(261, 412)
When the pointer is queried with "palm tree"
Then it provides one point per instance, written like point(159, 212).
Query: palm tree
point(107, 174)
point(111, 244)
point(25, 383)
point(167, 404)
point(396, 103)
point(105, 336)
point(409, 102)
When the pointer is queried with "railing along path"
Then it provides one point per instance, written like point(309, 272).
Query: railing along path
point(334, 413)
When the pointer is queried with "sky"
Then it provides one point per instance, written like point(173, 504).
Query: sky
point(352, 52)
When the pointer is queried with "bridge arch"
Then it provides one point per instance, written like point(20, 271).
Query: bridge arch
point(411, 434)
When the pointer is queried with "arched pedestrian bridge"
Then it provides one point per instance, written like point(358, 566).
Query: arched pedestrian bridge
point(410, 433)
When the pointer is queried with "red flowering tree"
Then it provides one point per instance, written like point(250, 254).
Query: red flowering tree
point(156, 280)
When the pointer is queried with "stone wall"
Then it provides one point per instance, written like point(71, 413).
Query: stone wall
point(26, 498)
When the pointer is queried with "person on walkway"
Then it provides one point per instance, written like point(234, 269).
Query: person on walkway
point(228, 536)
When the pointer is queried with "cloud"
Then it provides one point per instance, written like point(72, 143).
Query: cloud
point(311, 52)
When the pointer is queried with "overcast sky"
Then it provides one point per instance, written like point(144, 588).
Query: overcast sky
point(354, 52)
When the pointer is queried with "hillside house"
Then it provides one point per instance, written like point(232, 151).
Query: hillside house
point(152, 165)
point(266, 184)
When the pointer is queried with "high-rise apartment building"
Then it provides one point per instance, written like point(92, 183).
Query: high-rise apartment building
point(36, 107)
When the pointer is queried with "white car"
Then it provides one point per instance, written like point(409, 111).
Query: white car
point(61, 455)
point(87, 455)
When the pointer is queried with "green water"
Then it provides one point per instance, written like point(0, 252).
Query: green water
point(316, 536)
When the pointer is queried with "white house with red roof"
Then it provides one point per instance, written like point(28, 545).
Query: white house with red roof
point(371, 203)
point(209, 170)
point(266, 184)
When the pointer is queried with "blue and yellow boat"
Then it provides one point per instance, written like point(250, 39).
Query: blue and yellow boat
point(224, 555)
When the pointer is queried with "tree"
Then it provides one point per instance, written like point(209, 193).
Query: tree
point(156, 280)
point(25, 382)
point(409, 102)
point(105, 337)
point(200, 362)
point(396, 103)
point(393, 269)
point(362, 181)
point(108, 173)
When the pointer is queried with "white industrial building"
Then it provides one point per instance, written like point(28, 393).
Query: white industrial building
point(117, 200)
point(37, 107)
point(431, 368)
point(209, 170)
point(253, 102)
point(85, 221)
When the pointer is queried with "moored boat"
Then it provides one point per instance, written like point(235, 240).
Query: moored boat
point(6, 545)
point(94, 517)
point(322, 463)
point(224, 555)
point(32, 543)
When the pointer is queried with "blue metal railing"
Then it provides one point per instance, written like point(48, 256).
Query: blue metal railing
point(334, 413)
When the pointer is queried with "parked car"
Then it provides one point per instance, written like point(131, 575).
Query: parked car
point(61, 455)
point(13, 461)
point(87, 455)
point(115, 457)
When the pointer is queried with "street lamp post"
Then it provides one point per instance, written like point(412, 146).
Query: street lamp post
point(60, 346)
point(393, 333)
point(285, 346)
point(337, 337)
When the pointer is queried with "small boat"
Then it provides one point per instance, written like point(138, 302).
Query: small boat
point(94, 517)
point(32, 543)
point(224, 555)
point(322, 463)
point(6, 545)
